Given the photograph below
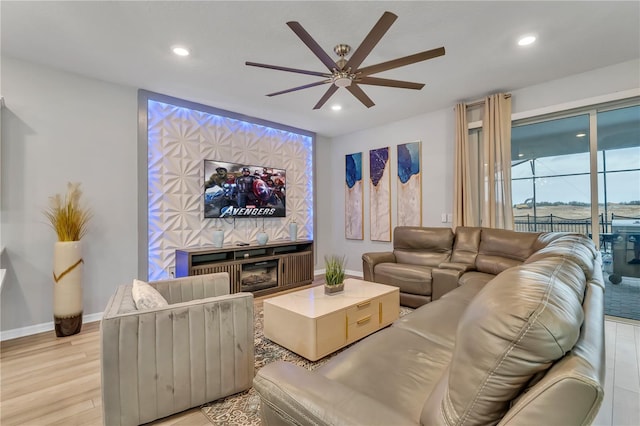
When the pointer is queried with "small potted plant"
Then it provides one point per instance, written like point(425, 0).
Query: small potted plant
point(334, 274)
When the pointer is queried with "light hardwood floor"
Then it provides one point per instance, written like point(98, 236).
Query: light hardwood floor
point(56, 381)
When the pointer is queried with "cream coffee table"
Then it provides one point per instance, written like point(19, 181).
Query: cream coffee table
point(313, 324)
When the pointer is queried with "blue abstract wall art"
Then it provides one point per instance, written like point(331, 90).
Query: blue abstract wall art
point(380, 194)
point(409, 184)
point(354, 214)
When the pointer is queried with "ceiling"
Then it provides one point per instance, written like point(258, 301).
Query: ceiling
point(129, 43)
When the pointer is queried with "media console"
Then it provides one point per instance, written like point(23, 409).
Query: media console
point(261, 269)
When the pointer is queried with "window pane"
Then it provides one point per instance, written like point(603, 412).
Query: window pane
point(550, 175)
point(563, 164)
point(521, 169)
point(619, 163)
point(550, 138)
point(619, 159)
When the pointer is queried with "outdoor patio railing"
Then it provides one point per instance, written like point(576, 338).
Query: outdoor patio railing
point(552, 223)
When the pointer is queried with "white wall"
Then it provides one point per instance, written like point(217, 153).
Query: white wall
point(59, 127)
point(324, 190)
point(595, 83)
point(436, 131)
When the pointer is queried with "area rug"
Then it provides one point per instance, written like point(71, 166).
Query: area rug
point(242, 409)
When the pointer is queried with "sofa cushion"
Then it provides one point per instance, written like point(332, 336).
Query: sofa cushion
point(395, 367)
point(475, 278)
point(516, 327)
point(465, 249)
point(578, 248)
point(445, 314)
point(147, 297)
point(414, 279)
point(422, 246)
point(501, 249)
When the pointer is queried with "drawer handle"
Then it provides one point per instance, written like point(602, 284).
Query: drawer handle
point(363, 320)
point(363, 304)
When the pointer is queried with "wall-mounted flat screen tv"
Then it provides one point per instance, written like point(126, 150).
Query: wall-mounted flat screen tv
point(233, 190)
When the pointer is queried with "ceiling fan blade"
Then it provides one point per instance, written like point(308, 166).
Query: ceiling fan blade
point(370, 41)
point(400, 62)
point(279, 68)
point(374, 81)
point(326, 96)
point(312, 44)
point(358, 93)
point(306, 86)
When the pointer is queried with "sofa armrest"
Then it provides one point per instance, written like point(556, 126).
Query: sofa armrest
point(193, 287)
point(294, 395)
point(370, 260)
point(443, 281)
point(157, 362)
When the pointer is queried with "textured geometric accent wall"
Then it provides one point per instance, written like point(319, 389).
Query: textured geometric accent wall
point(179, 140)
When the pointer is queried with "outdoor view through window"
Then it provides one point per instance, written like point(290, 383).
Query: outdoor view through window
point(551, 191)
point(550, 171)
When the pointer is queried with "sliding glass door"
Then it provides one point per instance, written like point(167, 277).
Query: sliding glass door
point(562, 166)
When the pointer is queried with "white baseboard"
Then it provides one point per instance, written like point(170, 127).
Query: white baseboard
point(41, 328)
point(354, 273)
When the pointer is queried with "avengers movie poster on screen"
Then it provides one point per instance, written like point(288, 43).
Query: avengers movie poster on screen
point(233, 190)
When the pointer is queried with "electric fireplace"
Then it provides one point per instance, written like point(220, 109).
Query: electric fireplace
point(259, 275)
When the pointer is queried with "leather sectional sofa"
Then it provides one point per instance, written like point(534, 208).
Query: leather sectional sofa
point(518, 340)
point(426, 263)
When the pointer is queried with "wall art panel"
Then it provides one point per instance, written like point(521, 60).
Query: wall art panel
point(179, 140)
point(409, 195)
point(380, 194)
point(353, 212)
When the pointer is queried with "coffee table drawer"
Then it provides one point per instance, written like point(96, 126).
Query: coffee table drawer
point(363, 326)
point(363, 309)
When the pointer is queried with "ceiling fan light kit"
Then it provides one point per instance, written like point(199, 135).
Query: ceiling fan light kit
point(345, 72)
point(342, 79)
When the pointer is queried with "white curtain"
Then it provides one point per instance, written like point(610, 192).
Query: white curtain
point(465, 209)
point(496, 192)
point(482, 171)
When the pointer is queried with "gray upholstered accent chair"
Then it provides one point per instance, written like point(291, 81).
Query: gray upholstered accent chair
point(161, 361)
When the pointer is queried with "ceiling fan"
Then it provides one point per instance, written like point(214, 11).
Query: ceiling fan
point(345, 72)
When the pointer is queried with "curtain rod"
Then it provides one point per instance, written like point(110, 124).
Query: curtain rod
point(481, 101)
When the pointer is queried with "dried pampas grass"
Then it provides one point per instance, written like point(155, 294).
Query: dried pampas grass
point(66, 216)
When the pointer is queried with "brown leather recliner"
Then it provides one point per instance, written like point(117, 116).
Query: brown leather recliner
point(416, 251)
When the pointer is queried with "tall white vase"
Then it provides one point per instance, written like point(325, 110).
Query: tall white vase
point(67, 287)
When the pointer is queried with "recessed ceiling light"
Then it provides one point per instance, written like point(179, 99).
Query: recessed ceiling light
point(520, 155)
point(526, 40)
point(336, 107)
point(180, 51)
point(581, 135)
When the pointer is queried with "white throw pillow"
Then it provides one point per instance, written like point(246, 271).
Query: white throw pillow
point(147, 297)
